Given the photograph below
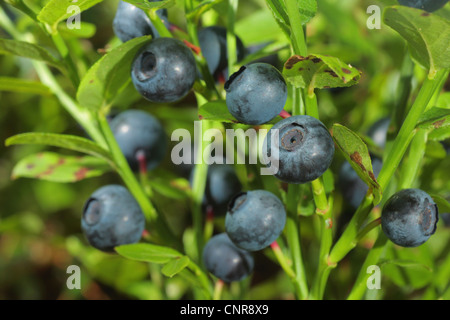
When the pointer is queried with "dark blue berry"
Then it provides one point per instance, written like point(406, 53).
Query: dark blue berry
point(213, 43)
point(305, 149)
point(222, 184)
point(427, 5)
point(112, 217)
point(164, 70)
point(256, 93)
point(131, 22)
point(409, 217)
point(226, 261)
point(352, 187)
point(139, 133)
point(255, 219)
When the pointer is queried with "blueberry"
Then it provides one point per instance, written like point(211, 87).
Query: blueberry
point(427, 5)
point(226, 261)
point(305, 149)
point(213, 43)
point(164, 70)
point(353, 188)
point(138, 132)
point(256, 93)
point(112, 217)
point(409, 217)
point(255, 219)
point(378, 131)
point(222, 184)
point(131, 22)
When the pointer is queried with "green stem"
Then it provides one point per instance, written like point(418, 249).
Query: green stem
point(201, 62)
point(373, 257)
point(297, 34)
point(65, 54)
point(324, 210)
point(346, 242)
point(293, 239)
point(198, 191)
point(284, 264)
point(158, 24)
point(410, 167)
point(231, 36)
point(218, 290)
point(311, 104)
point(405, 134)
point(202, 277)
point(161, 231)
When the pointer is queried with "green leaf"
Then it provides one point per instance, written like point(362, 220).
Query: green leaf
point(174, 189)
point(59, 168)
point(405, 264)
point(20, 5)
point(441, 202)
point(148, 253)
point(86, 30)
point(434, 118)
point(61, 140)
point(147, 5)
point(175, 266)
point(308, 9)
point(28, 50)
point(440, 134)
point(109, 76)
point(357, 154)
point(24, 86)
point(427, 35)
point(56, 11)
point(216, 110)
point(319, 71)
point(201, 8)
point(279, 13)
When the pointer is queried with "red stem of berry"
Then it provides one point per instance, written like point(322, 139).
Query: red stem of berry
point(142, 160)
point(209, 213)
point(193, 47)
point(284, 114)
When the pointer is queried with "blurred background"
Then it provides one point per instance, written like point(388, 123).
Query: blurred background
point(40, 232)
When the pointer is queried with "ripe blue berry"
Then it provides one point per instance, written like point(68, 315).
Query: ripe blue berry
point(164, 70)
point(138, 132)
point(222, 184)
point(112, 217)
point(255, 219)
point(427, 5)
point(352, 187)
point(131, 22)
point(305, 149)
point(409, 217)
point(226, 261)
point(213, 43)
point(256, 93)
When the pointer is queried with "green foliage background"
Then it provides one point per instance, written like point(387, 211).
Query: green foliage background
point(40, 233)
